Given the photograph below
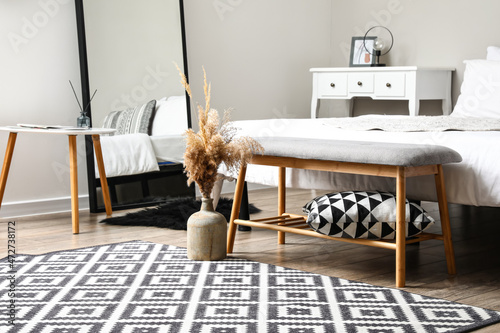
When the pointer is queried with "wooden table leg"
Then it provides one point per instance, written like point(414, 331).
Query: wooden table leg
point(400, 228)
point(102, 174)
point(445, 221)
point(238, 194)
point(281, 200)
point(6, 164)
point(74, 183)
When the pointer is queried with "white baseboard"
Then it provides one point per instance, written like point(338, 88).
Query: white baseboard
point(63, 204)
point(41, 207)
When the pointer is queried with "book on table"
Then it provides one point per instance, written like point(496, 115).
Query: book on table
point(49, 127)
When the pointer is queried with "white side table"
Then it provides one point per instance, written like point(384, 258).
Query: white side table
point(409, 83)
point(71, 133)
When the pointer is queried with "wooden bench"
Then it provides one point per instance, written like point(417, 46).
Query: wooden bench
point(394, 160)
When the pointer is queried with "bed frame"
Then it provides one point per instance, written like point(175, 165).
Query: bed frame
point(398, 161)
point(145, 189)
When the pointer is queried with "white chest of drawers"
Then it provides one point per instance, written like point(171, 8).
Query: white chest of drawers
point(409, 83)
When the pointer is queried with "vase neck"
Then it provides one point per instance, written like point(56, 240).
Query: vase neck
point(207, 204)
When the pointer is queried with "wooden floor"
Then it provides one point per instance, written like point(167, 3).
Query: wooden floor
point(476, 236)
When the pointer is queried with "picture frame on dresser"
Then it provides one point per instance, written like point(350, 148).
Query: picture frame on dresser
point(360, 57)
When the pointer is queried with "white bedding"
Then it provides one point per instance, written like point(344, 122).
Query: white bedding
point(169, 148)
point(136, 153)
point(131, 154)
point(474, 181)
point(127, 154)
point(414, 124)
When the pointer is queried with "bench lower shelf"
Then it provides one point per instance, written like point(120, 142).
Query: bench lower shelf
point(296, 224)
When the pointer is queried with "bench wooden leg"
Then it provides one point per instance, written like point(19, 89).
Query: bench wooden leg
point(238, 194)
point(281, 200)
point(6, 164)
point(400, 228)
point(445, 221)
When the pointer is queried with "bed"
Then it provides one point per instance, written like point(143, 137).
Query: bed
point(143, 160)
point(147, 136)
point(474, 181)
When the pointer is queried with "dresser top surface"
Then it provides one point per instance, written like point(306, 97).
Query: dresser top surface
point(380, 69)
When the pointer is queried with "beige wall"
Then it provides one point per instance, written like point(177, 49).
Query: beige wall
point(39, 54)
point(257, 53)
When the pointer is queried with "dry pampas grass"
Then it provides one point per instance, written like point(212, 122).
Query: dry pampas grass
point(213, 144)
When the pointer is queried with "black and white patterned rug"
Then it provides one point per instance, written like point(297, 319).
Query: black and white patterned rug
point(147, 287)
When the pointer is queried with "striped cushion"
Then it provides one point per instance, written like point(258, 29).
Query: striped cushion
point(133, 120)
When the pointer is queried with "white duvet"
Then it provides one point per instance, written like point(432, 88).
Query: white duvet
point(474, 181)
point(127, 154)
point(137, 153)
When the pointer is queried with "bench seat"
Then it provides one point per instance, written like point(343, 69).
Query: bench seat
point(394, 160)
point(384, 153)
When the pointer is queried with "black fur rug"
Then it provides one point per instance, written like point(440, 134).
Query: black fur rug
point(173, 214)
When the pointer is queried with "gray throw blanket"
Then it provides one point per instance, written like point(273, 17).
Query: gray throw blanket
point(414, 124)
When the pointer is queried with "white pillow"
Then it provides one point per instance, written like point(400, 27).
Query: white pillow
point(480, 91)
point(493, 53)
point(170, 117)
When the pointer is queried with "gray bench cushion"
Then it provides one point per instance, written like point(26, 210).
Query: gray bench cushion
point(400, 154)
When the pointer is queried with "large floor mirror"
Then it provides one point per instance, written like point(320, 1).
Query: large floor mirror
point(127, 53)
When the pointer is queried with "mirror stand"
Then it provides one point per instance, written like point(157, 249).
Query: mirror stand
point(136, 190)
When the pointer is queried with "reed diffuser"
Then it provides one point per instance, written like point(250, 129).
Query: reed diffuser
point(83, 121)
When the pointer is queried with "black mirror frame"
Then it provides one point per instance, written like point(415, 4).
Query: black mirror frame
point(85, 88)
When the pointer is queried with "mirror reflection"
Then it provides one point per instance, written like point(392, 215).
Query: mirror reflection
point(131, 48)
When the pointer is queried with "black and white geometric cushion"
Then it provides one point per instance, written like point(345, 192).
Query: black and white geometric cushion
point(366, 215)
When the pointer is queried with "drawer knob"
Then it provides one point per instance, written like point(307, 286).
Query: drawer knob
point(388, 85)
point(360, 83)
point(332, 85)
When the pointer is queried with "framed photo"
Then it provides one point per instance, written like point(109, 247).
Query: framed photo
point(359, 55)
